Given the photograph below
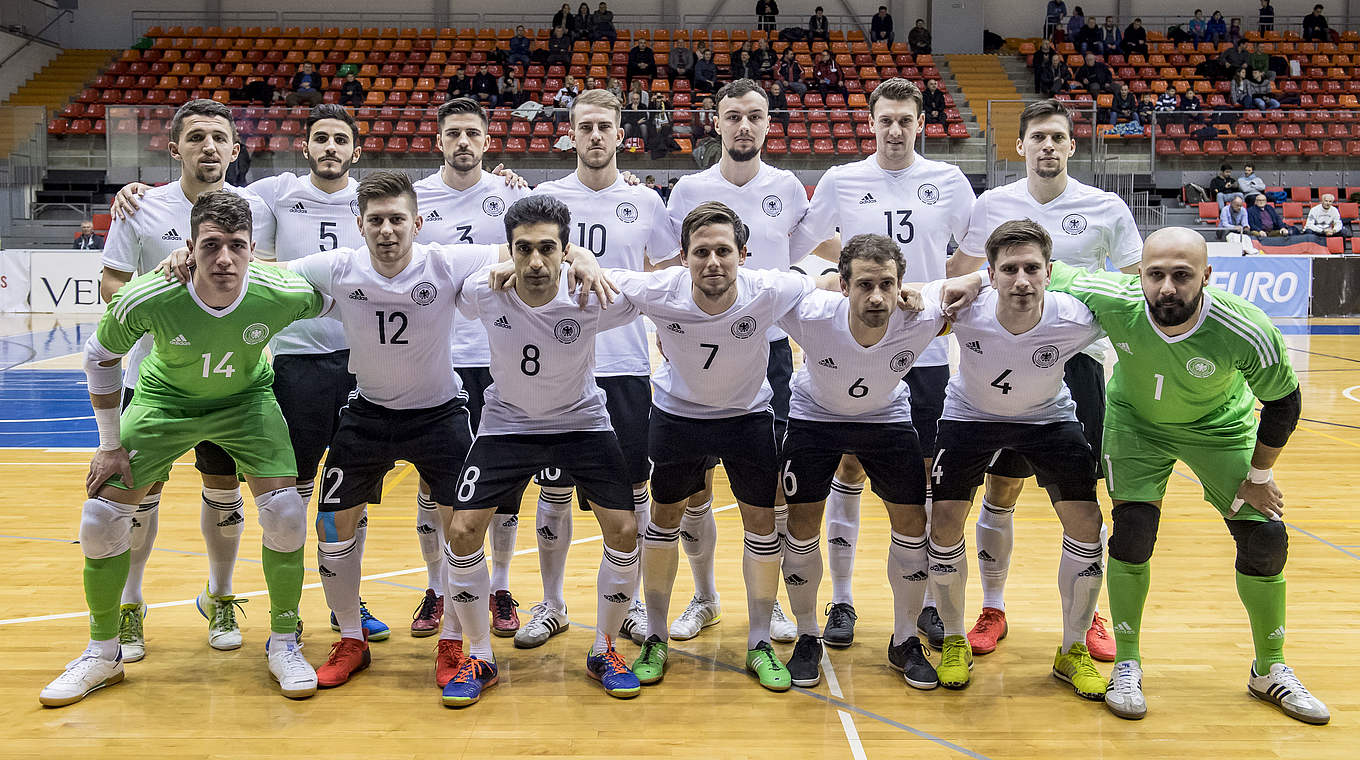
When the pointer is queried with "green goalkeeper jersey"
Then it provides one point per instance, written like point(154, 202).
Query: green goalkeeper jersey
point(205, 358)
point(1198, 385)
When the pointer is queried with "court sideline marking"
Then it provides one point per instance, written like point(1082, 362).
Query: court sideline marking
point(833, 685)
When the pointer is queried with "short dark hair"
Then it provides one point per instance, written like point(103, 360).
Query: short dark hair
point(739, 87)
point(534, 209)
point(1018, 232)
point(461, 105)
point(870, 247)
point(896, 88)
point(1042, 109)
point(1225, 167)
point(200, 107)
point(332, 111)
point(225, 209)
point(384, 184)
point(712, 212)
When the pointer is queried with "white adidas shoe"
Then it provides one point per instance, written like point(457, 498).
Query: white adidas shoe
point(1124, 695)
point(83, 675)
point(634, 626)
point(296, 676)
point(224, 632)
point(782, 630)
point(698, 615)
point(1283, 689)
point(544, 623)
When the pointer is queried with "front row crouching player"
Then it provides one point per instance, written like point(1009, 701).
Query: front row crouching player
point(542, 410)
point(205, 380)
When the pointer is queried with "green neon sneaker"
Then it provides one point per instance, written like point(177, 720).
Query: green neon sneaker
point(650, 664)
point(771, 672)
point(956, 660)
point(1076, 667)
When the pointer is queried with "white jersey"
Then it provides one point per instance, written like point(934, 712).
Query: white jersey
point(714, 364)
point(1015, 378)
point(541, 359)
point(842, 381)
point(771, 205)
point(618, 224)
point(138, 243)
point(1088, 225)
point(398, 328)
point(307, 220)
point(920, 208)
point(475, 215)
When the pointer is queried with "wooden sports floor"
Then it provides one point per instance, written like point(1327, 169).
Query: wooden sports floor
point(186, 700)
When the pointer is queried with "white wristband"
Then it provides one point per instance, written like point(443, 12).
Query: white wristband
point(109, 430)
point(1260, 476)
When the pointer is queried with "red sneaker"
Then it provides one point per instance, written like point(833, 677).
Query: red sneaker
point(504, 616)
point(425, 621)
point(1099, 642)
point(348, 656)
point(989, 629)
point(448, 658)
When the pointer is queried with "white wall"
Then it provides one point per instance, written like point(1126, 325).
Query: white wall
point(23, 66)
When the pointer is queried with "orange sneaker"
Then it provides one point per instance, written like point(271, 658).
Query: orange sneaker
point(988, 630)
point(448, 657)
point(348, 656)
point(1099, 642)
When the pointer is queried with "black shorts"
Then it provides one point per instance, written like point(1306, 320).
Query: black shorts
point(1057, 451)
point(209, 458)
point(499, 467)
point(311, 390)
point(681, 446)
point(927, 386)
point(888, 451)
point(779, 371)
point(372, 438)
point(475, 382)
point(628, 398)
point(1085, 379)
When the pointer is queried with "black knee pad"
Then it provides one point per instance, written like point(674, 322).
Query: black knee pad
point(1262, 547)
point(1135, 531)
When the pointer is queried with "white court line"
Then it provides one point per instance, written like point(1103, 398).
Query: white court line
point(52, 419)
point(1347, 393)
point(833, 685)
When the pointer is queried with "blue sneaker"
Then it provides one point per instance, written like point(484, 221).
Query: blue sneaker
point(612, 672)
point(473, 676)
point(376, 629)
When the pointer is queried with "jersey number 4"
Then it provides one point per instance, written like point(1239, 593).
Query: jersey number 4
point(1000, 382)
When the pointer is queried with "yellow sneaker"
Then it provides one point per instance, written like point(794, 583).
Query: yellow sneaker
point(956, 660)
point(1076, 667)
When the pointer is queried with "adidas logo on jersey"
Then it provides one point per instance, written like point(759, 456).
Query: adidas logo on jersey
point(503, 322)
point(619, 598)
point(235, 518)
point(829, 363)
point(1277, 634)
point(298, 208)
point(179, 340)
point(795, 580)
point(1093, 571)
point(358, 295)
point(943, 569)
point(425, 530)
point(983, 556)
point(974, 346)
point(917, 577)
point(1125, 348)
point(171, 235)
point(466, 598)
point(325, 571)
point(675, 328)
point(838, 541)
point(867, 199)
point(546, 534)
point(1124, 627)
point(433, 216)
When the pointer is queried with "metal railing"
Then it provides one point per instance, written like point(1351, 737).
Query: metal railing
point(29, 39)
point(1161, 23)
point(22, 169)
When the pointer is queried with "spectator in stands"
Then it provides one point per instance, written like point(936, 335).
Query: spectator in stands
point(1235, 30)
point(933, 104)
point(1266, 18)
point(634, 119)
point(564, 18)
point(680, 61)
point(1135, 39)
point(1125, 105)
point(659, 138)
point(559, 47)
point(1258, 61)
point(615, 88)
point(1264, 218)
point(790, 72)
point(1217, 29)
point(460, 86)
point(1147, 106)
point(1197, 25)
point(1234, 58)
point(520, 45)
point(602, 24)
point(512, 89)
point(1315, 26)
point(1240, 91)
point(1250, 182)
point(1233, 218)
point(1191, 107)
point(1075, 22)
point(819, 26)
point(1054, 77)
point(584, 25)
point(352, 91)
point(779, 104)
point(1261, 91)
point(764, 59)
point(1166, 106)
point(1095, 76)
point(643, 96)
point(485, 87)
point(88, 240)
point(1111, 39)
point(306, 86)
point(1053, 16)
point(881, 26)
point(564, 97)
point(642, 60)
point(767, 15)
point(705, 73)
point(918, 39)
point(827, 75)
point(1323, 219)
point(1088, 37)
point(743, 67)
point(707, 124)
point(1224, 186)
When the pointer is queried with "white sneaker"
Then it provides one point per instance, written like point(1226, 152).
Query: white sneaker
point(544, 623)
point(83, 675)
point(700, 614)
point(1124, 695)
point(295, 675)
point(130, 636)
point(782, 630)
point(224, 632)
point(634, 626)
point(1282, 688)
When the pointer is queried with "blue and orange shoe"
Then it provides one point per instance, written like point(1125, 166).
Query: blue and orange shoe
point(473, 676)
point(374, 629)
point(613, 673)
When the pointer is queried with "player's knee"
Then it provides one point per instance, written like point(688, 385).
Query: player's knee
point(105, 528)
point(1002, 490)
point(1135, 531)
point(283, 519)
point(1262, 547)
point(850, 470)
point(555, 498)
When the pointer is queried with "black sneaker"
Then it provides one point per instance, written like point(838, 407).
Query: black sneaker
point(931, 628)
point(840, 625)
point(909, 659)
point(805, 666)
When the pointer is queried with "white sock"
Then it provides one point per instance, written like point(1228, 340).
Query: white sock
point(285, 640)
point(469, 585)
point(995, 535)
point(615, 583)
point(1104, 552)
point(929, 600)
point(553, 526)
point(699, 536)
point(105, 649)
point(145, 523)
point(842, 533)
point(660, 561)
point(340, 565)
point(222, 519)
point(908, 574)
point(504, 530)
point(781, 519)
point(1080, 574)
point(760, 569)
point(305, 490)
point(430, 534)
point(949, 579)
point(642, 511)
point(802, 570)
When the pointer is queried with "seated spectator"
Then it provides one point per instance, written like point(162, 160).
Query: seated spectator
point(1233, 218)
point(1197, 26)
point(763, 59)
point(1315, 26)
point(705, 73)
point(1261, 91)
point(602, 24)
point(767, 15)
point(1053, 78)
point(352, 91)
point(680, 61)
point(635, 87)
point(615, 88)
point(460, 86)
point(1240, 93)
point(918, 39)
point(1040, 62)
point(1135, 39)
point(1258, 61)
point(1191, 107)
point(827, 75)
point(790, 72)
point(1075, 22)
point(1167, 103)
point(1234, 58)
point(1250, 182)
point(512, 90)
point(1053, 15)
point(564, 97)
point(520, 45)
point(1095, 76)
point(564, 18)
point(1125, 105)
point(1088, 37)
point(1235, 31)
point(659, 138)
point(819, 26)
point(642, 60)
point(559, 47)
point(89, 240)
point(634, 118)
point(743, 67)
point(881, 26)
point(1217, 29)
point(933, 104)
point(238, 171)
point(485, 88)
point(1265, 219)
point(1147, 105)
point(584, 24)
point(1111, 39)
point(1323, 219)
point(779, 104)
point(706, 124)
point(1224, 186)
point(306, 86)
